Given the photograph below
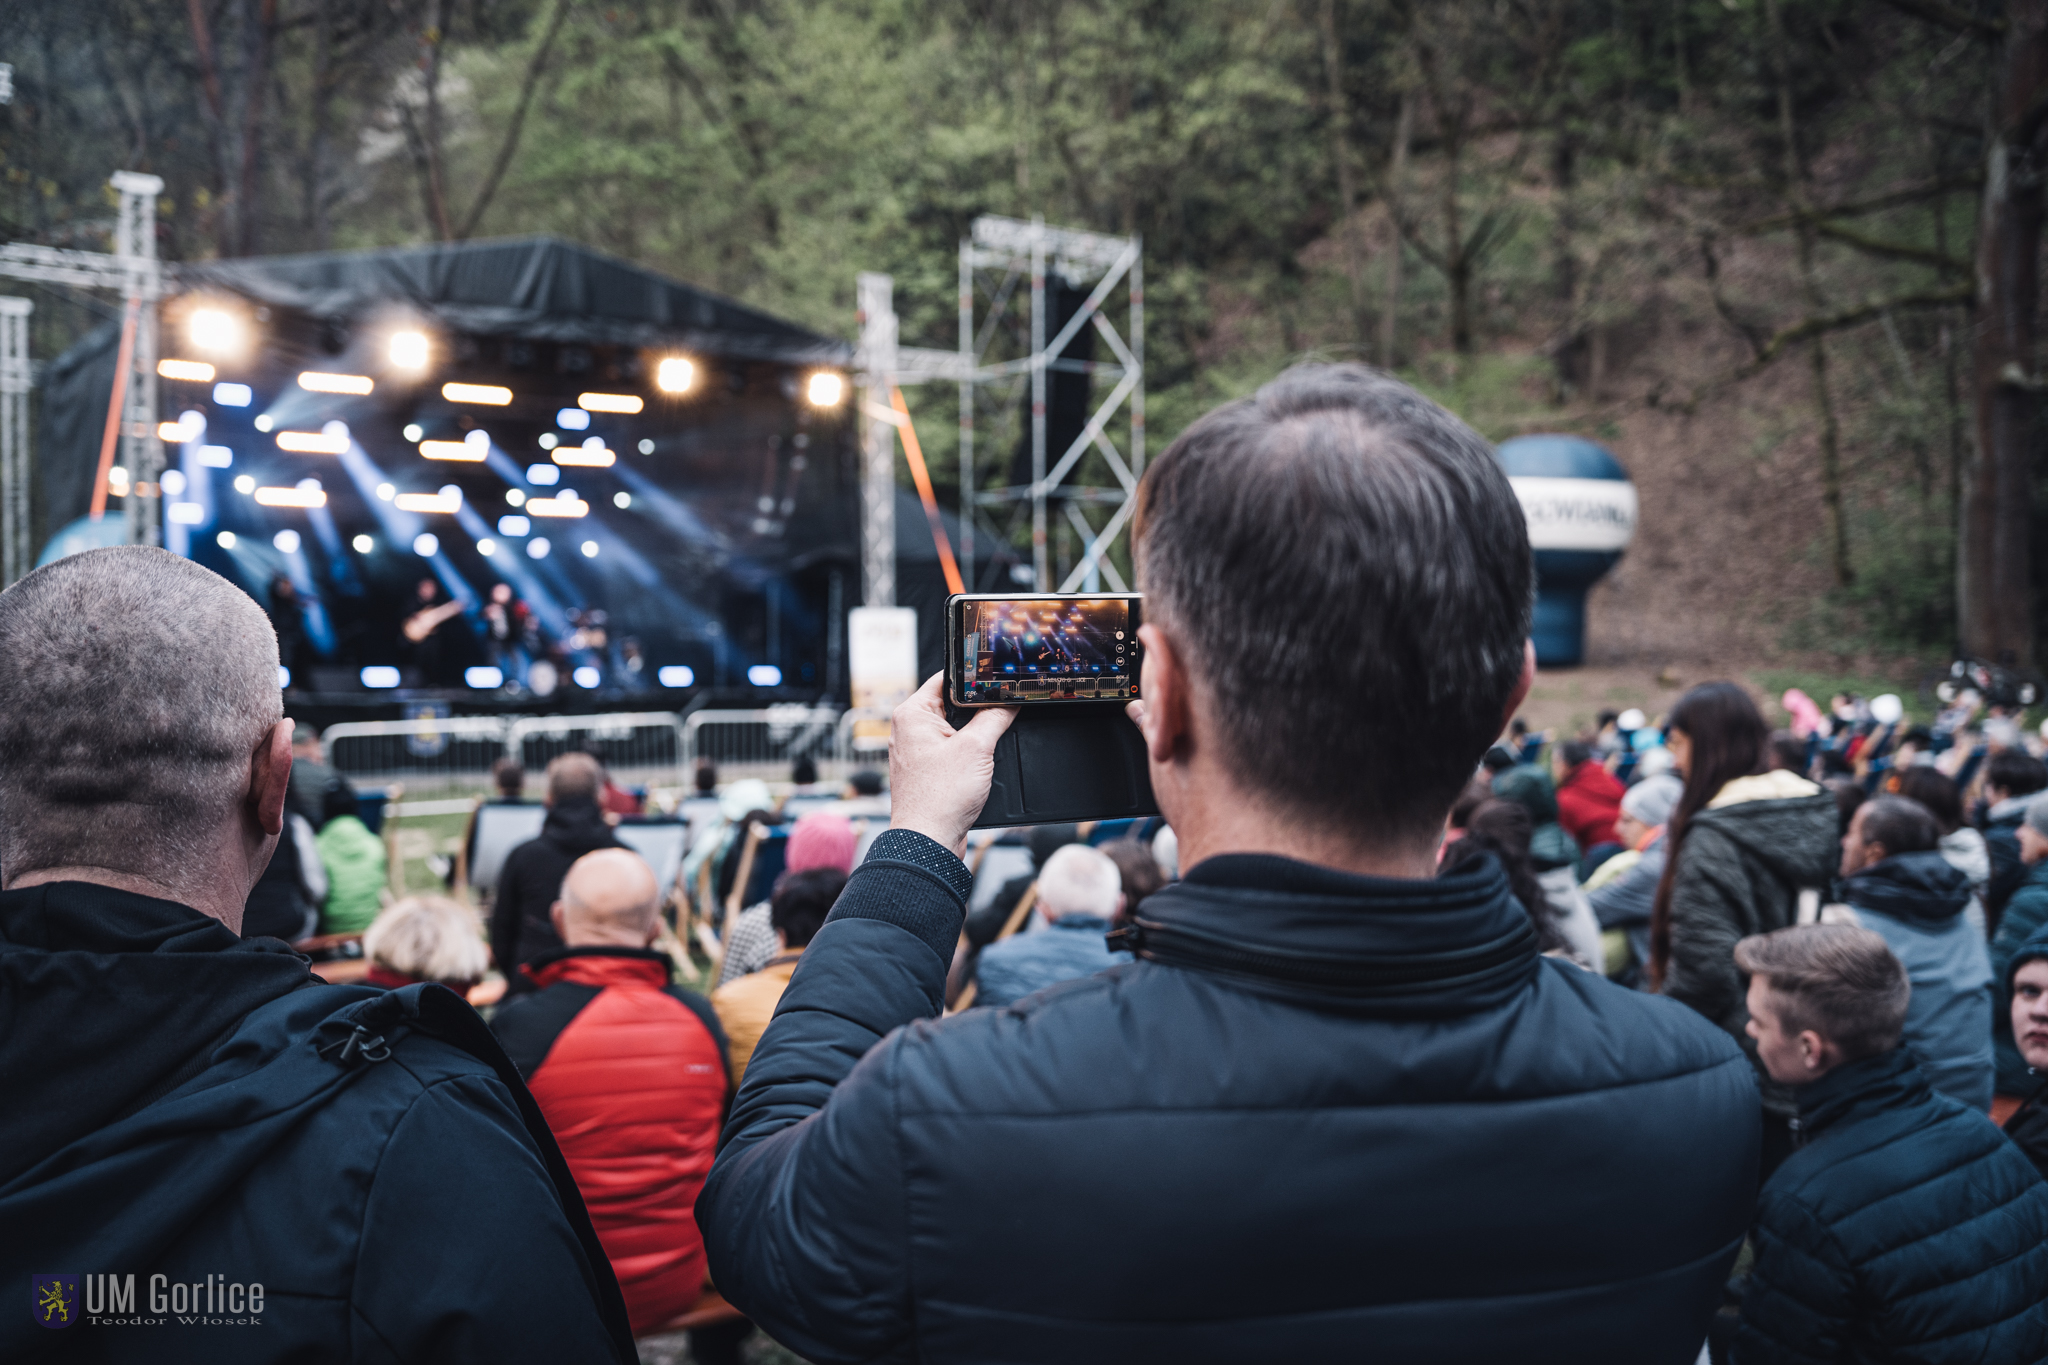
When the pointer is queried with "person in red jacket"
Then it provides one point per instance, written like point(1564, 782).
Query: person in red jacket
point(1588, 797)
point(631, 1074)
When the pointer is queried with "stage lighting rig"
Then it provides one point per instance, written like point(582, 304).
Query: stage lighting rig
point(825, 389)
point(216, 331)
point(409, 350)
point(675, 375)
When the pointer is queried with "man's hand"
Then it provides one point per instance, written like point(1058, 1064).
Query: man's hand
point(939, 776)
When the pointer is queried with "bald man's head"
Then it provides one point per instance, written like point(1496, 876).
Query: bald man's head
point(609, 899)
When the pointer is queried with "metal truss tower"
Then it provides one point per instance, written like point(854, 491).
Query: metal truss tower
point(133, 271)
point(998, 256)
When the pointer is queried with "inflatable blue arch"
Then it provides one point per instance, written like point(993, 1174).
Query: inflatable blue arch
point(1582, 514)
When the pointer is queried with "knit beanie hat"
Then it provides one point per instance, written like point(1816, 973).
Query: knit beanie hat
point(1651, 801)
point(821, 839)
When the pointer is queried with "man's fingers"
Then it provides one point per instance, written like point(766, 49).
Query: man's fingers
point(987, 727)
point(1136, 711)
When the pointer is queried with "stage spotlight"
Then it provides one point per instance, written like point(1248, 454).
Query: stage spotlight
point(244, 484)
point(413, 431)
point(590, 455)
point(226, 540)
point(541, 678)
point(385, 492)
point(825, 389)
point(172, 482)
point(548, 440)
point(646, 445)
point(117, 481)
point(627, 403)
point(320, 381)
point(364, 544)
point(590, 549)
point(622, 500)
point(483, 677)
point(567, 505)
point(447, 502)
point(324, 442)
point(426, 545)
point(233, 395)
point(675, 375)
point(290, 497)
point(284, 677)
point(265, 422)
point(513, 526)
point(409, 351)
point(214, 330)
point(495, 395)
point(573, 419)
point(515, 497)
point(472, 451)
point(765, 675)
point(487, 546)
point(676, 675)
point(546, 475)
point(193, 371)
point(216, 457)
point(537, 548)
point(185, 513)
point(286, 541)
point(379, 676)
point(587, 677)
point(190, 426)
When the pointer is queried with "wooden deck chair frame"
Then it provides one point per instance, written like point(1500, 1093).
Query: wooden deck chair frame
point(1010, 926)
point(394, 869)
point(461, 887)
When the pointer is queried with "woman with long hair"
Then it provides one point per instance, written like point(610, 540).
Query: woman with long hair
point(1501, 830)
point(1744, 842)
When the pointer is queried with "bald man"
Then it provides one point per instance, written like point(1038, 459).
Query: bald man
point(239, 1162)
point(630, 1071)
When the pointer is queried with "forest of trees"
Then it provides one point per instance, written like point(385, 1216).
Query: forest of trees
point(1782, 253)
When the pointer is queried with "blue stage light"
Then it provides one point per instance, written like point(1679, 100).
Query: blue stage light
point(216, 457)
point(676, 675)
point(587, 677)
point(573, 419)
point(483, 677)
point(546, 475)
point(765, 675)
point(380, 675)
point(284, 677)
point(513, 526)
point(233, 395)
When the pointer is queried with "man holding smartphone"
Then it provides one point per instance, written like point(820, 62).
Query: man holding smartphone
point(1338, 1108)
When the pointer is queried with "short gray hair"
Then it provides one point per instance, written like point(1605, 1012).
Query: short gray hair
point(429, 938)
point(1078, 880)
point(134, 688)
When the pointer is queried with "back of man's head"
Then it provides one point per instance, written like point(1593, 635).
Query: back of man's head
point(1346, 571)
point(800, 902)
point(572, 777)
point(135, 689)
point(1573, 752)
point(1899, 823)
point(1839, 980)
point(509, 775)
point(609, 897)
point(1078, 880)
point(2015, 772)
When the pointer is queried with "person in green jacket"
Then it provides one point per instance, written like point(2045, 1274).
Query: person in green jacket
point(354, 859)
point(2026, 914)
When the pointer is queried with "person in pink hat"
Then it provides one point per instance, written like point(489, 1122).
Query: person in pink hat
point(820, 839)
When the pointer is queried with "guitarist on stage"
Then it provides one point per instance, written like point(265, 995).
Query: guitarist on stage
point(431, 610)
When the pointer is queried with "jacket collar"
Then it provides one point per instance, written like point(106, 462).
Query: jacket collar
point(602, 966)
point(578, 825)
point(1923, 887)
point(1890, 1080)
point(1382, 946)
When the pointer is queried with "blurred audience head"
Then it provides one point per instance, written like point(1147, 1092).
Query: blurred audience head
point(1821, 995)
point(1137, 869)
point(804, 771)
point(801, 900)
point(609, 898)
point(706, 778)
point(141, 726)
point(1884, 827)
point(866, 782)
point(1502, 830)
point(429, 938)
point(1935, 790)
point(1079, 880)
point(574, 777)
point(509, 776)
point(306, 743)
point(1787, 751)
point(2013, 772)
point(821, 839)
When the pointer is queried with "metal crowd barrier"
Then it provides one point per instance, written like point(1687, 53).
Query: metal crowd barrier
point(657, 747)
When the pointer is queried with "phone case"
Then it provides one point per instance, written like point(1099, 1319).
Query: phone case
point(1060, 765)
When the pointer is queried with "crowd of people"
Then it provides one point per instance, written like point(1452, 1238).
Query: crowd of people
point(1404, 1032)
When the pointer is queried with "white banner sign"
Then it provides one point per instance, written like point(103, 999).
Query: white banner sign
point(881, 653)
point(1577, 514)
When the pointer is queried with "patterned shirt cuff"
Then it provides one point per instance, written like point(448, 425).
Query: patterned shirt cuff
point(924, 854)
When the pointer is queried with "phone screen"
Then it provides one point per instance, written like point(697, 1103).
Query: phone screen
point(1009, 651)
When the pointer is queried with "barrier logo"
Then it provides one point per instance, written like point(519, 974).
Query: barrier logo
point(56, 1300)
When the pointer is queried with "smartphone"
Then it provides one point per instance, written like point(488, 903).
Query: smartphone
point(1054, 649)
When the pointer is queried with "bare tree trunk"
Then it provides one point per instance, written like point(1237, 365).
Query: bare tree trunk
point(1994, 592)
point(511, 142)
point(1397, 178)
point(209, 83)
point(259, 32)
point(315, 208)
point(1347, 185)
point(436, 188)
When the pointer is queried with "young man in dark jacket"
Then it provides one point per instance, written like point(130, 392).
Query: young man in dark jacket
point(1906, 1229)
point(630, 1071)
point(2026, 914)
point(207, 1154)
point(2026, 985)
point(2012, 779)
point(1337, 1108)
point(521, 927)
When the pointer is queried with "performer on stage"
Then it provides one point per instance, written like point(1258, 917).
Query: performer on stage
point(430, 612)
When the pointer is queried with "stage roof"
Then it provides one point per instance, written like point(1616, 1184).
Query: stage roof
point(541, 288)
